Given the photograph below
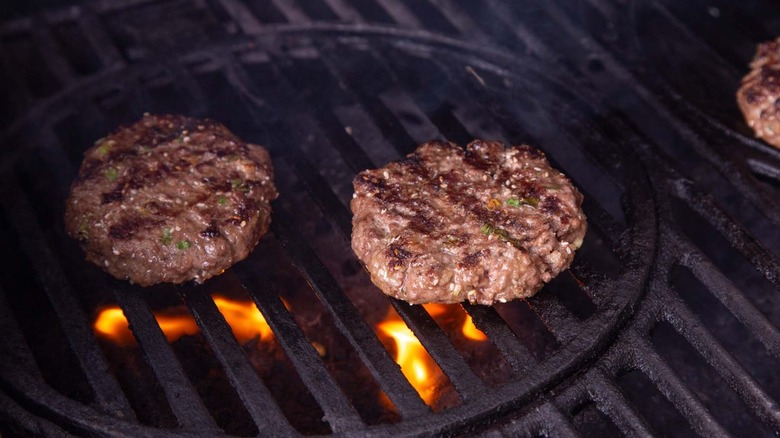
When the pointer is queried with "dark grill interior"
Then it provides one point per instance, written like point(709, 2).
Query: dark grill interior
point(667, 322)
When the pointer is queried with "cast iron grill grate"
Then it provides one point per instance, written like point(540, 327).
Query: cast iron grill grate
point(330, 100)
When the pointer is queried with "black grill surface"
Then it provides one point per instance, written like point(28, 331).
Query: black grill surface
point(667, 322)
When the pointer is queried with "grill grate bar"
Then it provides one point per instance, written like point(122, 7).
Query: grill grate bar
point(338, 215)
point(555, 422)
point(343, 11)
point(544, 420)
point(461, 21)
point(19, 367)
point(190, 85)
point(338, 410)
point(13, 344)
point(184, 401)
point(56, 64)
point(588, 280)
point(499, 334)
point(722, 361)
point(731, 297)
point(291, 11)
point(18, 95)
point(241, 15)
point(434, 102)
point(440, 348)
point(501, 31)
point(702, 42)
point(348, 320)
point(535, 44)
point(399, 12)
point(73, 321)
point(764, 169)
point(295, 78)
point(763, 260)
point(670, 384)
point(557, 318)
point(611, 401)
point(95, 33)
point(367, 97)
point(255, 396)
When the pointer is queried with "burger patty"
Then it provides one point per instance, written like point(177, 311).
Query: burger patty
point(170, 199)
point(759, 95)
point(484, 224)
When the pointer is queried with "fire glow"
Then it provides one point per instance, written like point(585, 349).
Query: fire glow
point(244, 319)
point(416, 364)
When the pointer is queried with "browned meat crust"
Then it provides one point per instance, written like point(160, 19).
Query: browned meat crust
point(759, 95)
point(170, 199)
point(446, 225)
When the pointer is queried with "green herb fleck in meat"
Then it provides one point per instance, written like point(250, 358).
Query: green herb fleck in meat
point(515, 202)
point(104, 148)
point(239, 184)
point(488, 229)
point(167, 236)
point(222, 200)
point(183, 244)
point(112, 174)
point(533, 202)
point(84, 228)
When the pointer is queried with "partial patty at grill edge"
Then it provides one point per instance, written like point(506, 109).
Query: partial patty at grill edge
point(759, 95)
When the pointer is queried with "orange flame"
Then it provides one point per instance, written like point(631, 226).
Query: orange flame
point(469, 330)
point(418, 367)
point(243, 317)
point(416, 364)
point(434, 309)
point(111, 323)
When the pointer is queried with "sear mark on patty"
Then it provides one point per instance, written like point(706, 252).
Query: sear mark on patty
point(127, 227)
point(211, 232)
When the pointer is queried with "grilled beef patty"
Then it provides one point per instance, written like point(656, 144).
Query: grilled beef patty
point(446, 225)
point(759, 95)
point(170, 199)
